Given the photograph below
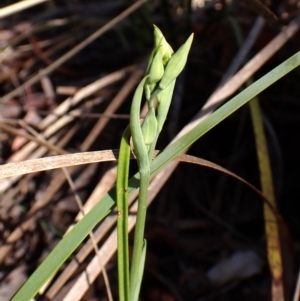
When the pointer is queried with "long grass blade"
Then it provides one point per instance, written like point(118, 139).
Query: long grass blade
point(271, 223)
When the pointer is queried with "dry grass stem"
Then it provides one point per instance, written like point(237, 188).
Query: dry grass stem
point(17, 7)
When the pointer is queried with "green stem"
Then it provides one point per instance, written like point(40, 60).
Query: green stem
point(122, 221)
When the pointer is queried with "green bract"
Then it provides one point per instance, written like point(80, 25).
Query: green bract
point(164, 100)
point(176, 63)
point(149, 127)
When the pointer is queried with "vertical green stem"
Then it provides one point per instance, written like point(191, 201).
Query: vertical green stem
point(122, 221)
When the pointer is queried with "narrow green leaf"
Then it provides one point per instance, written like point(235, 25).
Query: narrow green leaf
point(65, 248)
point(136, 292)
point(135, 125)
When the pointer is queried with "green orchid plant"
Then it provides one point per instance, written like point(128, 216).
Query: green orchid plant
point(163, 68)
point(172, 64)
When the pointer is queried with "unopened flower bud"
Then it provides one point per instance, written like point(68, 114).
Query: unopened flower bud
point(159, 40)
point(156, 69)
